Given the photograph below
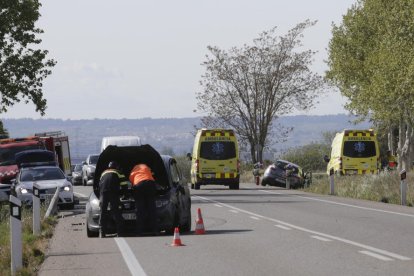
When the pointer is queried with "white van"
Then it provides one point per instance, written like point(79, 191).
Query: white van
point(120, 141)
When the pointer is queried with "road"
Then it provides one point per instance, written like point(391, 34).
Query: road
point(251, 231)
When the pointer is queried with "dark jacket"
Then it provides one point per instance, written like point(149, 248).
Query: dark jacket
point(110, 181)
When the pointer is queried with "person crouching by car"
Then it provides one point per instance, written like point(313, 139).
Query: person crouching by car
point(109, 189)
point(144, 191)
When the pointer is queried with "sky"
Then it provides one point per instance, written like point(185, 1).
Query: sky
point(137, 59)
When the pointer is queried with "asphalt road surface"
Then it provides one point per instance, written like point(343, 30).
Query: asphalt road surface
point(251, 231)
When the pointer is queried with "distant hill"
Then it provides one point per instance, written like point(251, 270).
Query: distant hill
point(170, 135)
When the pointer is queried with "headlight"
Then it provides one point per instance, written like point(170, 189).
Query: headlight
point(95, 203)
point(161, 202)
point(23, 191)
point(66, 188)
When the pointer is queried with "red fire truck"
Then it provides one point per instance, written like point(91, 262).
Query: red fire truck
point(55, 141)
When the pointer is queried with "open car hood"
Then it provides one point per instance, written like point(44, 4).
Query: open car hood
point(127, 158)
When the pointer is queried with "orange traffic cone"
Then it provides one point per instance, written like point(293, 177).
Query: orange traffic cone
point(199, 229)
point(177, 240)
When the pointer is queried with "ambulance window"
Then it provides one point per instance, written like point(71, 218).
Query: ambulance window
point(359, 149)
point(218, 150)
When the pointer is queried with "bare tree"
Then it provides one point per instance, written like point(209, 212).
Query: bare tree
point(248, 88)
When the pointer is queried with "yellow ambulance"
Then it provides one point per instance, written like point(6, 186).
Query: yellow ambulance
point(354, 152)
point(215, 158)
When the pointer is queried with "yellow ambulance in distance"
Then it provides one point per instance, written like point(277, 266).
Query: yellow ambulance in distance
point(215, 158)
point(354, 152)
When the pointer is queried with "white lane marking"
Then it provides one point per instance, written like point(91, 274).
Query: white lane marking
point(374, 255)
point(321, 238)
point(380, 251)
point(218, 205)
point(282, 227)
point(234, 211)
point(343, 204)
point(134, 267)
point(256, 218)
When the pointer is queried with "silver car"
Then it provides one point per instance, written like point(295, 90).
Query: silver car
point(48, 178)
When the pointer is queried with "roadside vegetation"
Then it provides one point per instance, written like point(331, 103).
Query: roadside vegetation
point(34, 247)
point(384, 187)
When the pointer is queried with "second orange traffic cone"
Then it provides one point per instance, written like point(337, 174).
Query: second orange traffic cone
point(199, 228)
point(177, 240)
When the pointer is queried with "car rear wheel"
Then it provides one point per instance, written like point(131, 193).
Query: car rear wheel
point(187, 226)
point(264, 183)
point(234, 186)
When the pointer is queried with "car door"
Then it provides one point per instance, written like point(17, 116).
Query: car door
point(181, 191)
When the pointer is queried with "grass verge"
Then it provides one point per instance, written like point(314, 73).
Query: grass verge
point(384, 187)
point(34, 247)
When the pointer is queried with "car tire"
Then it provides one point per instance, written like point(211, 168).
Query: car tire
point(91, 234)
point(197, 186)
point(234, 186)
point(264, 183)
point(192, 186)
point(187, 226)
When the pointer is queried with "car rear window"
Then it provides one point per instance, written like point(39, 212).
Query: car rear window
point(218, 150)
point(359, 149)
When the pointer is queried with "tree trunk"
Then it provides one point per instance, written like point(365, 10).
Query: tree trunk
point(401, 128)
point(405, 150)
point(391, 140)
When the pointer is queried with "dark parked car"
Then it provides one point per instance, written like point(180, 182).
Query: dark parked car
point(77, 174)
point(275, 174)
point(173, 201)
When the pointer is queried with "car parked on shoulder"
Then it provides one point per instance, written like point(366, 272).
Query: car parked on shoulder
point(173, 203)
point(88, 169)
point(77, 174)
point(276, 173)
point(47, 176)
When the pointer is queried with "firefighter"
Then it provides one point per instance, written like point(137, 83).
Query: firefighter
point(144, 191)
point(109, 189)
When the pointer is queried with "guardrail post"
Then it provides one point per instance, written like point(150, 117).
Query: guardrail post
point(16, 234)
point(53, 204)
point(36, 210)
point(331, 182)
point(403, 187)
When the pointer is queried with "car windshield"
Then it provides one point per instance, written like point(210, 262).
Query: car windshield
point(359, 149)
point(32, 174)
point(78, 168)
point(93, 159)
point(281, 165)
point(7, 154)
point(218, 150)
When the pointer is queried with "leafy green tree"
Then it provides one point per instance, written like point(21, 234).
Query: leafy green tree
point(248, 88)
point(23, 66)
point(371, 61)
point(3, 132)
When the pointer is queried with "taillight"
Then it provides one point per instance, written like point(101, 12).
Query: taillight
point(197, 165)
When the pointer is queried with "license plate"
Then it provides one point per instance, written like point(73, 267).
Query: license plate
point(129, 216)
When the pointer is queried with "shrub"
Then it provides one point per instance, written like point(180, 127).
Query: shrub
point(309, 157)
